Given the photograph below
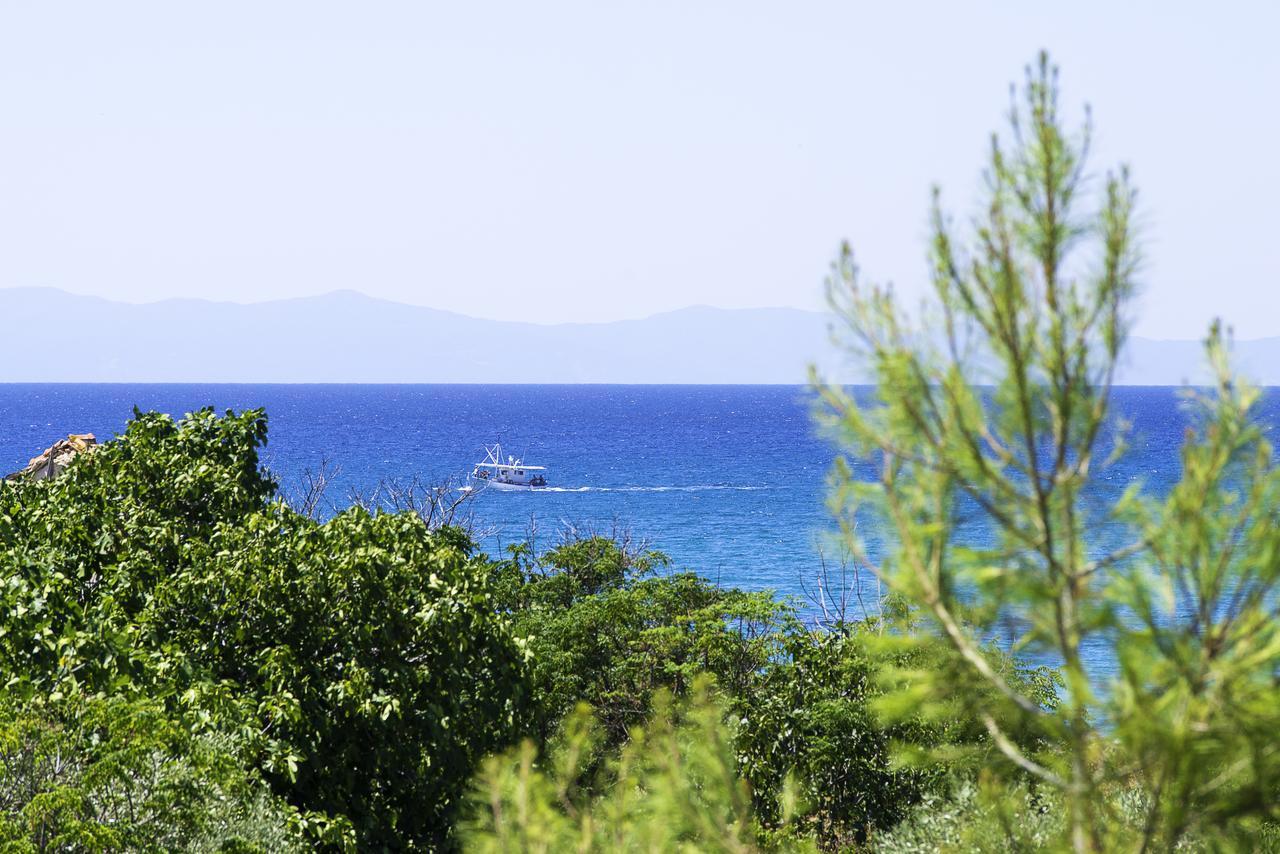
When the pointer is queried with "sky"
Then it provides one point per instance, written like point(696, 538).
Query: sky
point(595, 161)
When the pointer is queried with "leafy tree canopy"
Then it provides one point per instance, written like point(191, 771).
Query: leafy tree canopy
point(361, 664)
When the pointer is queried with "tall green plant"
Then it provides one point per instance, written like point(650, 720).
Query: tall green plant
point(605, 628)
point(361, 665)
point(673, 787)
point(122, 775)
point(975, 463)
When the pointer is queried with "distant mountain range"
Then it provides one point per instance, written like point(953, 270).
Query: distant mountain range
point(48, 335)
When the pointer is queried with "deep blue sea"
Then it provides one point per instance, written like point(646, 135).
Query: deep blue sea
point(729, 481)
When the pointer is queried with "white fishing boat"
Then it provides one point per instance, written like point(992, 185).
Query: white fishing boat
point(509, 473)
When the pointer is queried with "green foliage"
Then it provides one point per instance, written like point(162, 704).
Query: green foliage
point(378, 669)
point(989, 816)
point(674, 787)
point(605, 629)
point(810, 718)
point(122, 775)
point(815, 717)
point(362, 663)
point(972, 819)
point(976, 463)
point(82, 553)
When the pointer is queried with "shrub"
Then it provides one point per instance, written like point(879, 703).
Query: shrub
point(673, 787)
point(377, 665)
point(815, 717)
point(606, 629)
point(117, 775)
point(82, 554)
point(362, 663)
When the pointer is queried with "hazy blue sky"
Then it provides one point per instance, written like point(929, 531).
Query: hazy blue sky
point(594, 161)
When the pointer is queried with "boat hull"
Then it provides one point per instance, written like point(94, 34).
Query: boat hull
point(507, 474)
point(510, 487)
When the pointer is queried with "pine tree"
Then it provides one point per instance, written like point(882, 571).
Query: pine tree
point(972, 489)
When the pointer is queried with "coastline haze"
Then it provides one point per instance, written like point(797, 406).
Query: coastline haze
point(348, 337)
point(581, 163)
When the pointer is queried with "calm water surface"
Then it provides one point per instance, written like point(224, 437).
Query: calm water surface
point(727, 480)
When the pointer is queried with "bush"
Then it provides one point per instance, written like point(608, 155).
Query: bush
point(606, 629)
point(988, 815)
point(815, 717)
point(83, 553)
point(673, 787)
point(362, 662)
point(967, 819)
point(377, 665)
point(810, 717)
point(122, 775)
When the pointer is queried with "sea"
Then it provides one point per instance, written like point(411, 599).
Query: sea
point(727, 481)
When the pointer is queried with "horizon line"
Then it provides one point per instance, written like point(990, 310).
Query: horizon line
point(341, 292)
point(353, 292)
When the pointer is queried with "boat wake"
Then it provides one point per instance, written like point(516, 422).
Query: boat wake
point(696, 488)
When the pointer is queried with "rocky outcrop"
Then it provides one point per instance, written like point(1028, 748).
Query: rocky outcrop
point(57, 457)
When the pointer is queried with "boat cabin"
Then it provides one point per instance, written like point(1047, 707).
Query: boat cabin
point(496, 470)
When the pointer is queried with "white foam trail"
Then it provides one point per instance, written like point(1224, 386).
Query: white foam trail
point(696, 488)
